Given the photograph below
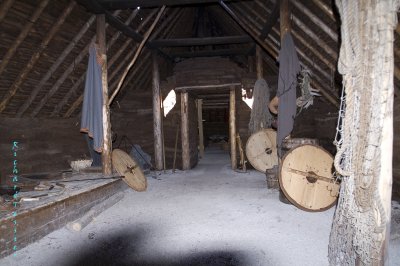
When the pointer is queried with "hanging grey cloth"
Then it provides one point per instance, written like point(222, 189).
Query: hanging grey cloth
point(92, 113)
point(260, 116)
point(289, 67)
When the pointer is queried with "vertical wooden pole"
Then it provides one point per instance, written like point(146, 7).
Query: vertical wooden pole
point(200, 121)
point(185, 131)
point(232, 126)
point(158, 144)
point(259, 63)
point(107, 148)
point(284, 18)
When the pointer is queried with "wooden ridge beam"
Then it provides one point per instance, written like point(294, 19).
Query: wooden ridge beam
point(201, 41)
point(54, 66)
point(125, 4)
point(208, 53)
point(21, 37)
point(35, 57)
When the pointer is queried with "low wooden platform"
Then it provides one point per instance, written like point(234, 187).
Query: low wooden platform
point(38, 218)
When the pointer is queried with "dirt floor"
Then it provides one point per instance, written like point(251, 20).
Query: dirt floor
point(206, 216)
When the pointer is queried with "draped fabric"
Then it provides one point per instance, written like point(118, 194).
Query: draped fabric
point(92, 113)
point(289, 67)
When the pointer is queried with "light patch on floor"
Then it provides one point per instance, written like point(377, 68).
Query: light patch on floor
point(207, 216)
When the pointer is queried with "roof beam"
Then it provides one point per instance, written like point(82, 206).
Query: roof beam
point(201, 41)
point(125, 4)
point(4, 8)
point(208, 53)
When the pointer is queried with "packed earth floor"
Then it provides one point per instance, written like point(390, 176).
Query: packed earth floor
point(210, 215)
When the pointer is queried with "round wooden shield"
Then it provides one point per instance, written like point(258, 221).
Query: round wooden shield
point(306, 178)
point(129, 169)
point(261, 150)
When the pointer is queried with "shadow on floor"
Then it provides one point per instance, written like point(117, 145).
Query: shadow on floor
point(126, 249)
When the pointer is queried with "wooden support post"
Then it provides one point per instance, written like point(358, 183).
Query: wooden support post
point(185, 130)
point(232, 126)
point(158, 147)
point(200, 121)
point(101, 40)
point(259, 61)
point(284, 18)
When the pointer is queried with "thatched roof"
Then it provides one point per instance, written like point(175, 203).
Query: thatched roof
point(44, 44)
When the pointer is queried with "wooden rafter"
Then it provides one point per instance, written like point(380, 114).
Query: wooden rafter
point(54, 66)
point(35, 57)
point(63, 77)
point(208, 53)
point(27, 28)
point(201, 41)
point(72, 91)
point(4, 8)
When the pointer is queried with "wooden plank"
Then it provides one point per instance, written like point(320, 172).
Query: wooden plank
point(232, 126)
point(200, 124)
point(107, 143)
point(201, 41)
point(157, 116)
point(37, 222)
point(35, 57)
point(209, 53)
point(185, 130)
point(226, 85)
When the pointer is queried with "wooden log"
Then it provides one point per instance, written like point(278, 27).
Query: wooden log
point(178, 42)
point(157, 116)
point(4, 8)
point(226, 85)
point(28, 26)
point(107, 143)
point(232, 126)
point(326, 9)
point(209, 53)
point(54, 66)
point(35, 57)
point(88, 217)
point(185, 130)
point(259, 63)
point(138, 50)
point(200, 124)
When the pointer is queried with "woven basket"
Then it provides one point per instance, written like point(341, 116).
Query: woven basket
point(80, 164)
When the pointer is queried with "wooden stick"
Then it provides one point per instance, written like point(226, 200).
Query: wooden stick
point(259, 63)
point(145, 37)
point(28, 26)
point(4, 8)
point(107, 143)
point(176, 148)
point(200, 124)
point(185, 130)
point(232, 126)
point(54, 66)
point(86, 219)
point(35, 57)
point(157, 115)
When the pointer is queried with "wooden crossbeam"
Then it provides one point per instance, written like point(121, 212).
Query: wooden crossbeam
point(54, 66)
point(27, 28)
point(201, 41)
point(208, 53)
point(35, 57)
point(125, 4)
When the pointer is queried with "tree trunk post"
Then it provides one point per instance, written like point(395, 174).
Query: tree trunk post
point(232, 126)
point(185, 130)
point(157, 115)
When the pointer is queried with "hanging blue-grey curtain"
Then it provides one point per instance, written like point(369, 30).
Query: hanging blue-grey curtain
point(289, 67)
point(92, 113)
